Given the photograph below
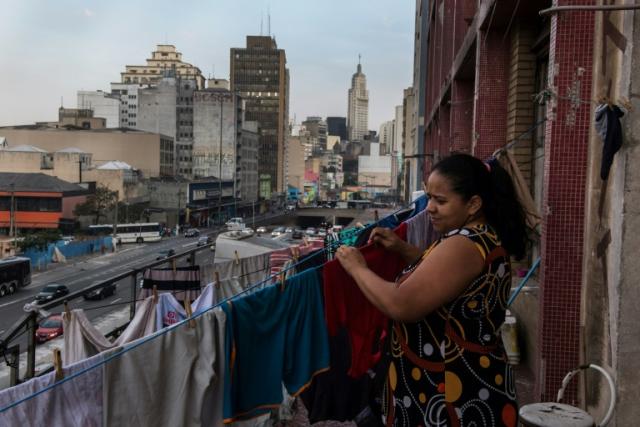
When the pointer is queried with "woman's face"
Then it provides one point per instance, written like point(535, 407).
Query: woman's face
point(447, 210)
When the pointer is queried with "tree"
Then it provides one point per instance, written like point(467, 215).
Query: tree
point(39, 240)
point(98, 203)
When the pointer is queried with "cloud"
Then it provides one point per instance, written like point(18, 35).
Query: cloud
point(89, 13)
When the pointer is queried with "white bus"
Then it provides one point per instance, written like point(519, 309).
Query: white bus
point(138, 233)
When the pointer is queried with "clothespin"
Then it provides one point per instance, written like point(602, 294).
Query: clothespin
point(235, 254)
point(57, 364)
point(296, 253)
point(173, 265)
point(217, 285)
point(283, 278)
point(375, 215)
point(155, 294)
point(187, 308)
point(66, 310)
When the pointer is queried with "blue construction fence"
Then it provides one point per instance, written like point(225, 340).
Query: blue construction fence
point(41, 258)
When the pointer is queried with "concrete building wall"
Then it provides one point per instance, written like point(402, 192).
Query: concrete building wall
point(128, 94)
point(215, 134)
point(65, 166)
point(610, 296)
point(375, 169)
point(295, 161)
point(102, 104)
point(142, 150)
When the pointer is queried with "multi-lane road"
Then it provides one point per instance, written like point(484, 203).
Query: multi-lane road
point(79, 274)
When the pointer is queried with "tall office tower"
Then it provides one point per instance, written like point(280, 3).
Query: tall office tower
point(337, 126)
point(317, 128)
point(358, 114)
point(165, 58)
point(260, 76)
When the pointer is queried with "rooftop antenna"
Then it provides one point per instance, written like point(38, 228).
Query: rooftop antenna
point(261, 22)
point(269, 20)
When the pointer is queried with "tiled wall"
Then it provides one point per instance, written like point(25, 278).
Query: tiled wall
point(492, 88)
point(567, 133)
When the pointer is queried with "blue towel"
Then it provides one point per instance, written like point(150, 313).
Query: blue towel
point(273, 337)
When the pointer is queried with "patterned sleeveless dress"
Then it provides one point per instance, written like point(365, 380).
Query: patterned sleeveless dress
point(450, 368)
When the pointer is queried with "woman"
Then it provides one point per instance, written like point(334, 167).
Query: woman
point(448, 366)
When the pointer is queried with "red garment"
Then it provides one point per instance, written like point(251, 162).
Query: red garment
point(346, 306)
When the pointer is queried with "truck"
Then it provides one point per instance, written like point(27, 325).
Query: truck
point(15, 273)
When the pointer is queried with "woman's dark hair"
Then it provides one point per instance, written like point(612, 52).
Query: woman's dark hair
point(470, 176)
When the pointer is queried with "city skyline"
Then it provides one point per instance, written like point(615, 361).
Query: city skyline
point(52, 51)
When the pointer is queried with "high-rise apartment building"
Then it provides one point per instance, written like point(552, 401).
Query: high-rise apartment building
point(358, 114)
point(260, 76)
point(164, 58)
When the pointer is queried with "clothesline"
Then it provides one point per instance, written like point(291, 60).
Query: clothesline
point(185, 321)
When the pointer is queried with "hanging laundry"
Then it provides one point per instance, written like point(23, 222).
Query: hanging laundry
point(83, 340)
point(169, 311)
point(508, 162)
point(173, 379)
point(334, 395)
point(274, 336)
point(77, 402)
point(205, 300)
point(420, 231)
point(184, 282)
point(346, 306)
point(607, 122)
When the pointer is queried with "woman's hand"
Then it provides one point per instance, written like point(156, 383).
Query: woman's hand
point(350, 258)
point(389, 240)
point(386, 238)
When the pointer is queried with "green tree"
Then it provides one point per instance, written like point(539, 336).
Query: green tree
point(39, 240)
point(98, 203)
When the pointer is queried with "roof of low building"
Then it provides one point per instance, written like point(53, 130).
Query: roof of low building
point(115, 165)
point(13, 181)
point(71, 150)
point(26, 148)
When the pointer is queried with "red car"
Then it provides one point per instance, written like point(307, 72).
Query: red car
point(49, 328)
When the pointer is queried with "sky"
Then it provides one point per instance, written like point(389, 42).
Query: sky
point(49, 49)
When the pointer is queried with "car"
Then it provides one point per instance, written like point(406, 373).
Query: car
point(204, 240)
point(278, 231)
point(261, 230)
point(290, 208)
point(100, 293)
point(49, 328)
point(288, 230)
point(297, 234)
point(310, 231)
point(165, 254)
point(50, 292)
point(236, 223)
point(321, 232)
point(192, 232)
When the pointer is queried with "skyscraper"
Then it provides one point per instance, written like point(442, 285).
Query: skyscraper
point(260, 76)
point(358, 114)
